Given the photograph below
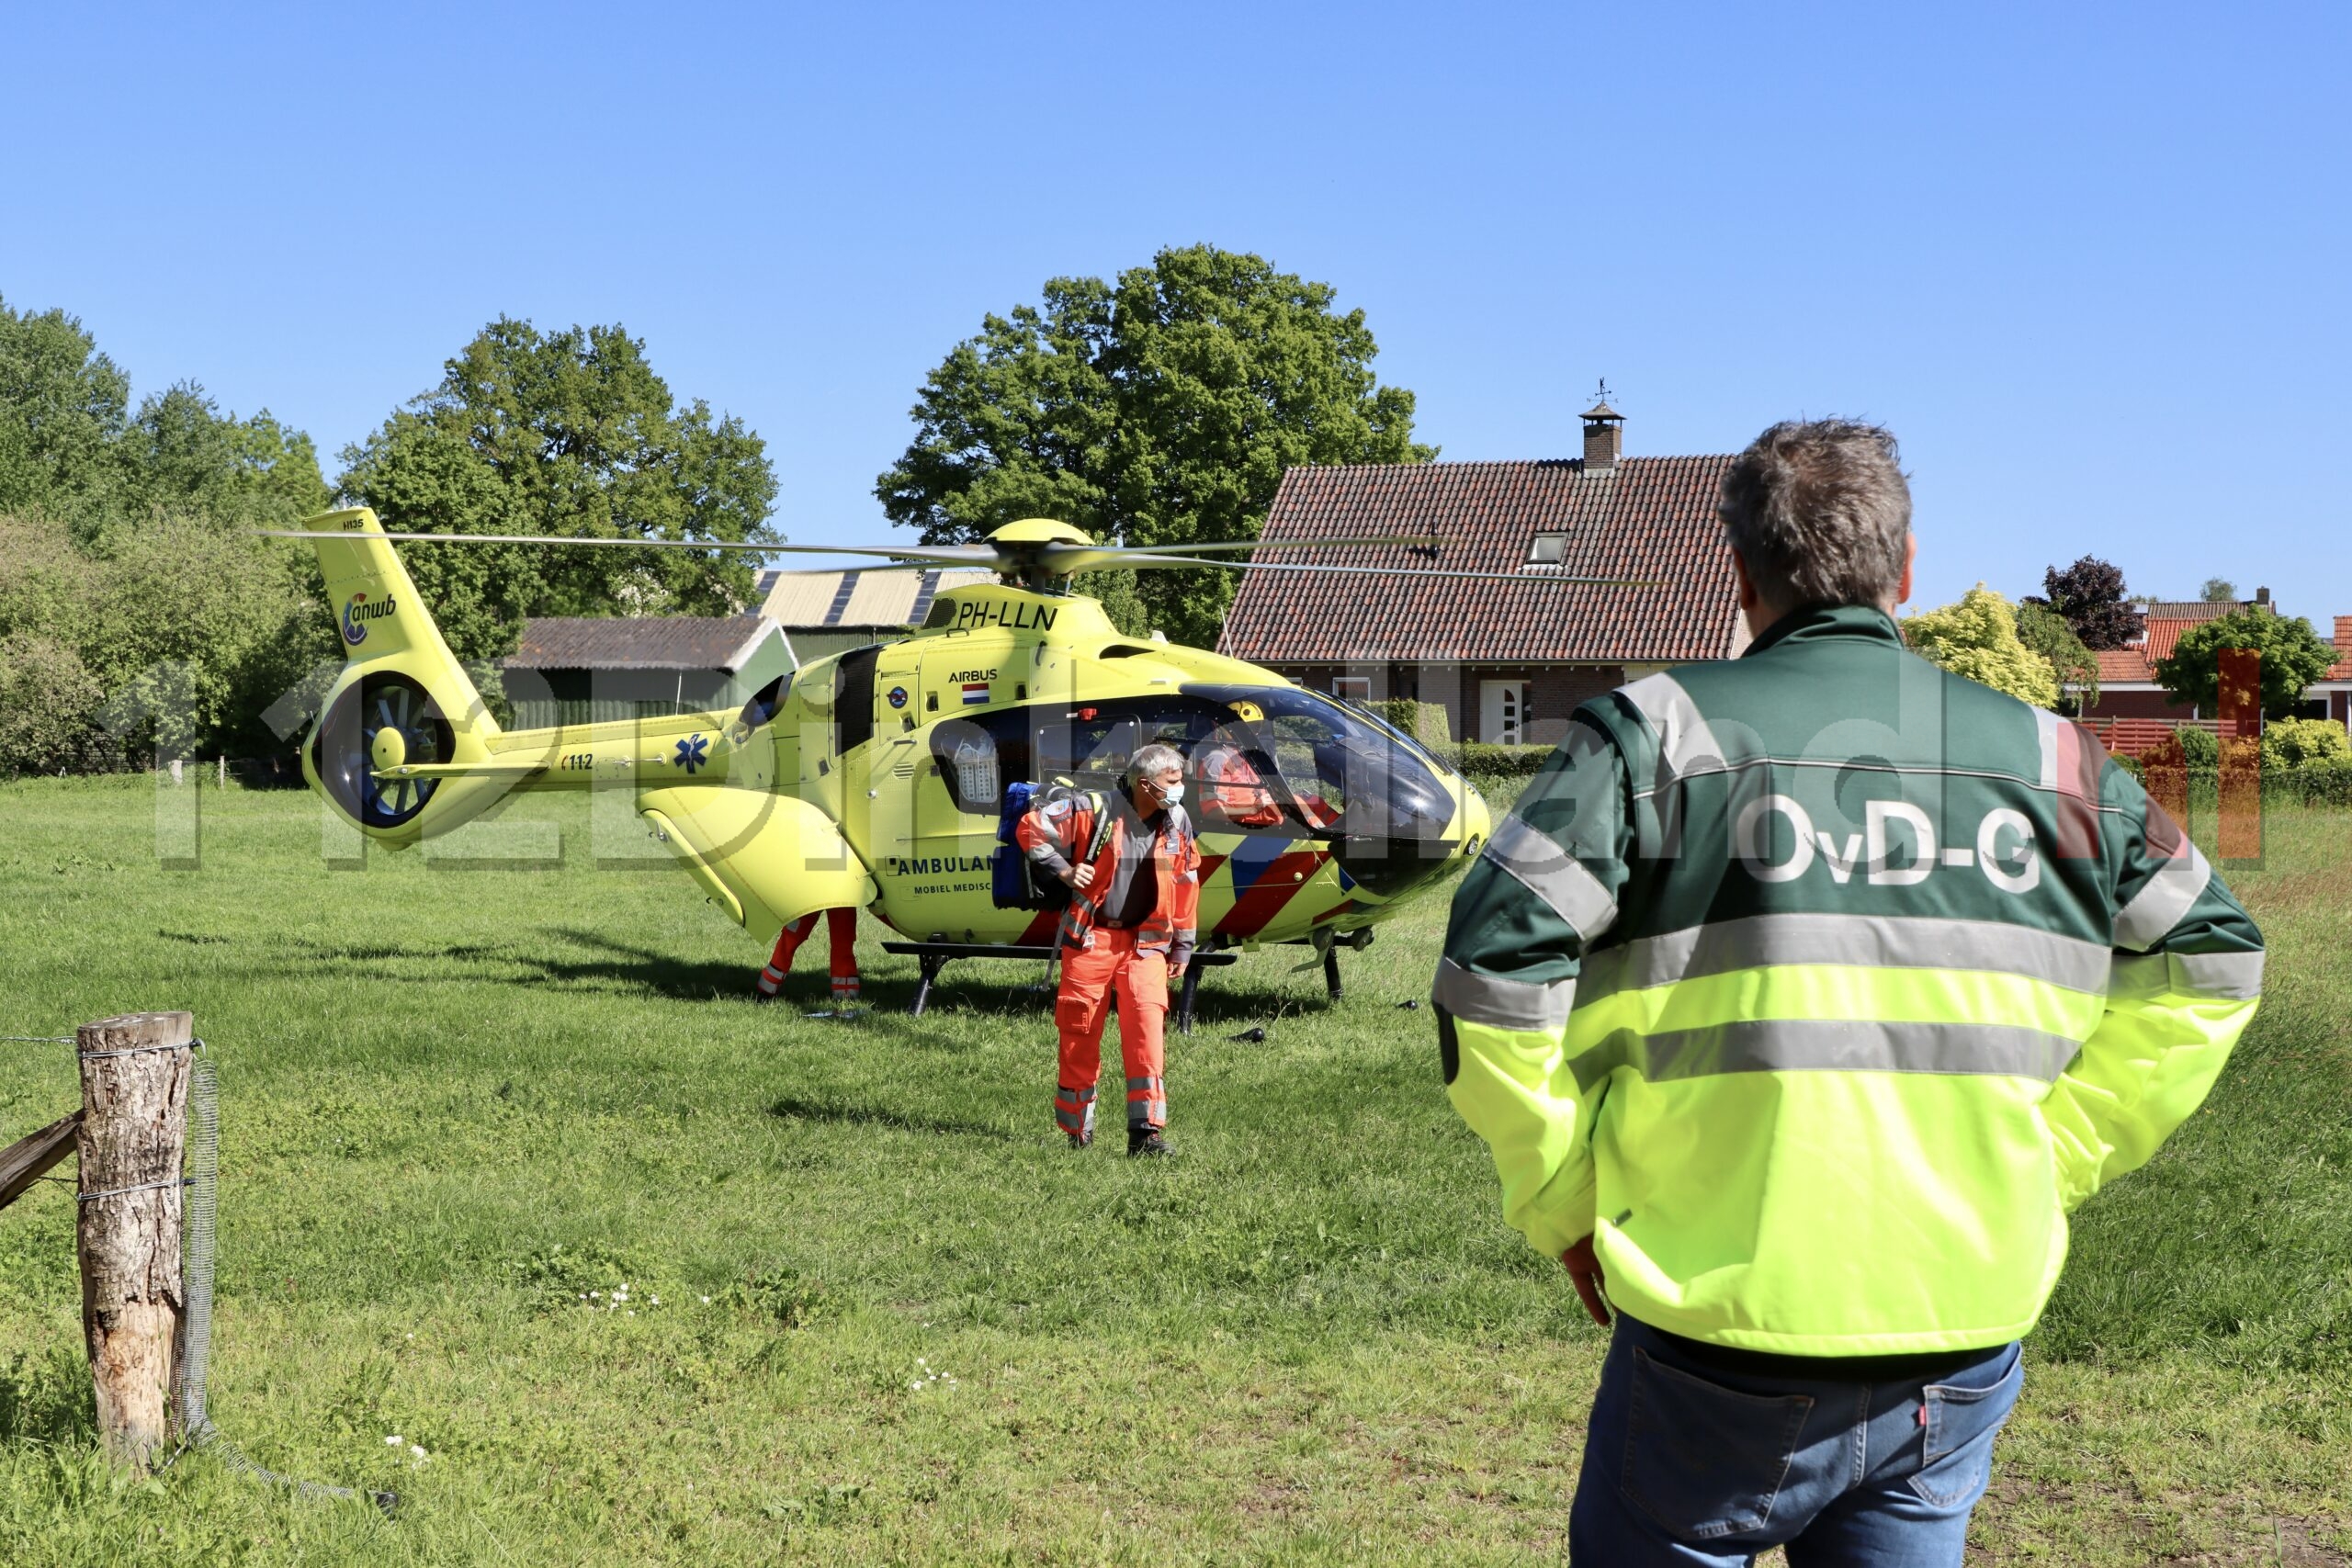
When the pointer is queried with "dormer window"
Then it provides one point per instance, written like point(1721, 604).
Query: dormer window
point(1548, 549)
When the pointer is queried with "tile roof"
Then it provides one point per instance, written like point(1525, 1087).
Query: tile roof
point(1647, 518)
point(2123, 664)
point(622, 642)
point(860, 596)
point(2193, 610)
point(2166, 620)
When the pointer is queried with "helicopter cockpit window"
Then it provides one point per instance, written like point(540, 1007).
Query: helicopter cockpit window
point(1318, 764)
point(764, 704)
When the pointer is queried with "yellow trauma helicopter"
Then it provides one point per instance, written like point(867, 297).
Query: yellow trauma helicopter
point(875, 778)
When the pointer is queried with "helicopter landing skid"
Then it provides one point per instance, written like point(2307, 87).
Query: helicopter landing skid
point(933, 956)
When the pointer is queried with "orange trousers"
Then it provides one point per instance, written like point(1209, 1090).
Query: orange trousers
point(1090, 980)
point(841, 929)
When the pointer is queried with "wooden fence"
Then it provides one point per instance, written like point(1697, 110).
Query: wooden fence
point(131, 1134)
point(2138, 737)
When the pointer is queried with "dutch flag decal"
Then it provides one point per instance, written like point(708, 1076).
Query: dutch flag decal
point(974, 692)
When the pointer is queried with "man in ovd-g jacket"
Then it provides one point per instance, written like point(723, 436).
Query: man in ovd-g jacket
point(1801, 998)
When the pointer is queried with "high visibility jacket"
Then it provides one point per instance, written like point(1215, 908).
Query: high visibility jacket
point(1058, 832)
point(1819, 986)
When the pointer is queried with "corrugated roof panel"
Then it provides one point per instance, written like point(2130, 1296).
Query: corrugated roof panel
point(798, 598)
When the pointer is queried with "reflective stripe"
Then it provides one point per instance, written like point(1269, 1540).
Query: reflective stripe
point(2163, 899)
point(1498, 1003)
point(2221, 977)
point(1686, 745)
point(1868, 940)
point(1832, 1044)
point(1136, 1084)
point(2045, 724)
point(1802, 992)
point(1075, 1096)
point(1534, 860)
point(1070, 1121)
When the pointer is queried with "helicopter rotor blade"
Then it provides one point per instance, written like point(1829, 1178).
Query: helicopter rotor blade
point(1163, 563)
point(928, 555)
point(1073, 559)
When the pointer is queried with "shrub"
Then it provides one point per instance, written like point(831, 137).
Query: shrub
point(48, 707)
point(2297, 742)
point(2326, 782)
point(2202, 747)
point(1479, 759)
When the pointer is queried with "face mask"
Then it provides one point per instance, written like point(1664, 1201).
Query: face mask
point(1172, 794)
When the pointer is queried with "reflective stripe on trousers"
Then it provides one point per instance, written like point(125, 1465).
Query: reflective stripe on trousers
point(1091, 977)
point(1074, 1110)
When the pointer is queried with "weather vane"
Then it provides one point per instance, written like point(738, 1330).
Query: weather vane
point(1601, 395)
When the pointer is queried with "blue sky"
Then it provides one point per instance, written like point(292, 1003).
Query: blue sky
point(2088, 262)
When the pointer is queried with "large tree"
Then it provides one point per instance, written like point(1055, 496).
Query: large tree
point(2047, 633)
point(1978, 637)
point(1159, 410)
point(568, 432)
point(70, 446)
point(2293, 657)
point(2089, 594)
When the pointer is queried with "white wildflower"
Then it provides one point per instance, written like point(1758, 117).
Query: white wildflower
point(393, 1440)
point(417, 1448)
point(706, 1301)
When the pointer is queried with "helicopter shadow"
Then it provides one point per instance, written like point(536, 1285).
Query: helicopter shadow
point(799, 1108)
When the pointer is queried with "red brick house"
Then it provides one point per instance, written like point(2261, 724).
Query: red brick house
point(1510, 661)
point(2127, 677)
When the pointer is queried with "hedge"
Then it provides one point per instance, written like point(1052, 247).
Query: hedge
point(1425, 722)
point(2314, 783)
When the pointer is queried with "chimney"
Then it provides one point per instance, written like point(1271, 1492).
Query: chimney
point(1603, 438)
point(2344, 636)
point(2262, 597)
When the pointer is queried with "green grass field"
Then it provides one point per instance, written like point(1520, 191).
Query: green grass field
point(898, 1321)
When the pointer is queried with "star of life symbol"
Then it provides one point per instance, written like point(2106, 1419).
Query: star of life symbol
point(690, 753)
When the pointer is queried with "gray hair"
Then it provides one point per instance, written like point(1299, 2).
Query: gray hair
point(1150, 762)
point(1819, 512)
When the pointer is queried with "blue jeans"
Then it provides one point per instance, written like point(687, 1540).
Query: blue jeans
point(1686, 1463)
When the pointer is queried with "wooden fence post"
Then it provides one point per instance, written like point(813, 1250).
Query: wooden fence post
point(134, 1127)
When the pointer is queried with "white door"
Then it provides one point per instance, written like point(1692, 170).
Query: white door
point(1502, 712)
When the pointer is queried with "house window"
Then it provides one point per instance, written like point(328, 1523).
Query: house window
point(1355, 688)
point(1548, 549)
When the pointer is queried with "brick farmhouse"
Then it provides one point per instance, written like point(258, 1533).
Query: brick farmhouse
point(1510, 661)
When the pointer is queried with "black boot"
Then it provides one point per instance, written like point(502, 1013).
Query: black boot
point(1145, 1142)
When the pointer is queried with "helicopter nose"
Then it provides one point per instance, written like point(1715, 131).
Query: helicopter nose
point(1441, 833)
point(1472, 822)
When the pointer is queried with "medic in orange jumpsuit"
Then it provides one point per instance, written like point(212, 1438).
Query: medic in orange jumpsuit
point(841, 929)
point(1129, 929)
point(1234, 787)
